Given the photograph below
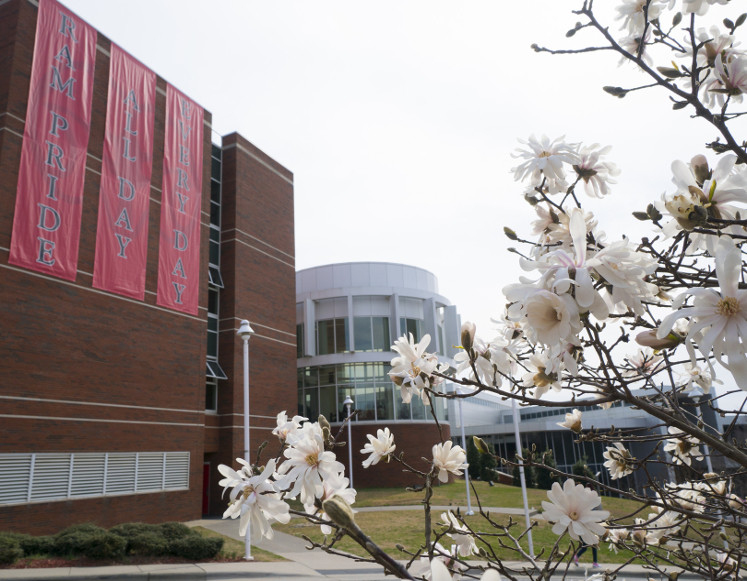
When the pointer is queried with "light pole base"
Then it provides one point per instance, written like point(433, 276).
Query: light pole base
point(248, 558)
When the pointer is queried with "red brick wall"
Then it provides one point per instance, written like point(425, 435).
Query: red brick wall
point(258, 268)
point(84, 369)
point(415, 440)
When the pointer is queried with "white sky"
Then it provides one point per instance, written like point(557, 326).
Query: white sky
point(398, 118)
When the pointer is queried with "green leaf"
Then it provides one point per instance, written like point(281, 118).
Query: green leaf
point(510, 234)
point(740, 20)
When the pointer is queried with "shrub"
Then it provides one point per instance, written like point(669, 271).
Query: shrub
point(545, 477)
point(73, 540)
point(149, 543)
point(175, 530)
point(132, 529)
point(10, 548)
point(104, 546)
point(43, 545)
point(196, 547)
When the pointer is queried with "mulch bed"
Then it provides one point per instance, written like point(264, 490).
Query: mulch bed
point(49, 562)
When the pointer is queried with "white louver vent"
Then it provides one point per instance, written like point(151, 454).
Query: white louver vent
point(61, 476)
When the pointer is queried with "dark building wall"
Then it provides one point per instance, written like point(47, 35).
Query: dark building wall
point(85, 370)
point(258, 267)
point(414, 440)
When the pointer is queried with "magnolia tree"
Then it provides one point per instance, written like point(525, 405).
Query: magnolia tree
point(649, 323)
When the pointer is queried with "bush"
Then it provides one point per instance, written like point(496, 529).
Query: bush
point(43, 545)
point(545, 477)
point(73, 540)
point(132, 529)
point(196, 547)
point(172, 531)
point(10, 548)
point(104, 546)
point(150, 543)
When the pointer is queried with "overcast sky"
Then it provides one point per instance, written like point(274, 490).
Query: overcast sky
point(398, 118)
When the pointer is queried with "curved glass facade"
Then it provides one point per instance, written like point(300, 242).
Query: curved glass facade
point(322, 389)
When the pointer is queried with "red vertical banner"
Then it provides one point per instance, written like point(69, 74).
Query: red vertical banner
point(49, 199)
point(181, 202)
point(122, 232)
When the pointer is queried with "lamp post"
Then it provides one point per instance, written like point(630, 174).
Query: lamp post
point(348, 403)
point(245, 331)
point(470, 512)
point(520, 455)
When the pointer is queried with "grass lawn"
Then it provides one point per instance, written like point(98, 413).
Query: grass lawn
point(233, 550)
point(389, 528)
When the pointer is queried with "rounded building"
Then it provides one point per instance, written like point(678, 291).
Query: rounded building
point(347, 318)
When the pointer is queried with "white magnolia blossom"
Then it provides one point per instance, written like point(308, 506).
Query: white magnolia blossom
point(544, 372)
point(619, 462)
point(699, 7)
point(719, 318)
point(636, 13)
point(254, 498)
point(381, 446)
point(547, 317)
point(572, 421)
point(617, 538)
point(595, 173)
point(413, 369)
point(286, 426)
point(573, 508)
point(683, 447)
point(440, 572)
point(460, 534)
point(643, 362)
point(543, 161)
point(336, 485)
point(307, 464)
point(448, 458)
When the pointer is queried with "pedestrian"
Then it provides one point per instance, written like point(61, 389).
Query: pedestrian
point(582, 550)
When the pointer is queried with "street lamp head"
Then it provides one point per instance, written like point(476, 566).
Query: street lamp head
point(245, 331)
point(348, 401)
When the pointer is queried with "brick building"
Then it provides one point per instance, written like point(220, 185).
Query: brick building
point(116, 408)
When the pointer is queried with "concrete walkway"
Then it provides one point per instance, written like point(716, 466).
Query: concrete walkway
point(301, 564)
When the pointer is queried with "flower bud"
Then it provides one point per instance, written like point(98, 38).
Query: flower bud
point(480, 444)
point(468, 335)
point(699, 165)
point(339, 512)
point(649, 339)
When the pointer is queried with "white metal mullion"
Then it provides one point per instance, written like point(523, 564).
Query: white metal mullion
point(31, 477)
point(106, 472)
point(137, 465)
point(70, 476)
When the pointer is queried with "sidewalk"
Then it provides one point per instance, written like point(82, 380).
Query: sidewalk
point(301, 564)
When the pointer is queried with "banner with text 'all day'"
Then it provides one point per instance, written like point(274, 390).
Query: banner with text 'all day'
point(181, 202)
point(49, 199)
point(127, 165)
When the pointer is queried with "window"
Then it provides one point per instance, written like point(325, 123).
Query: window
point(211, 395)
point(299, 340)
point(414, 326)
point(371, 333)
point(332, 336)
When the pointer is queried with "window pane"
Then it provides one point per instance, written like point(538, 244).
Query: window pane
point(327, 375)
point(211, 397)
point(380, 333)
point(384, 409)
point(362, 333)
point(311, 404)
point(418, 409)
point(403, 409)
point(212, 344)
point(299, 340)
point(325, 338)
point(342, 342)
point(311, 375)
point(364, 401)
point(327, 404)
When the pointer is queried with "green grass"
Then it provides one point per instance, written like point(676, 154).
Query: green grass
point(233, 549)
point(390, 528)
